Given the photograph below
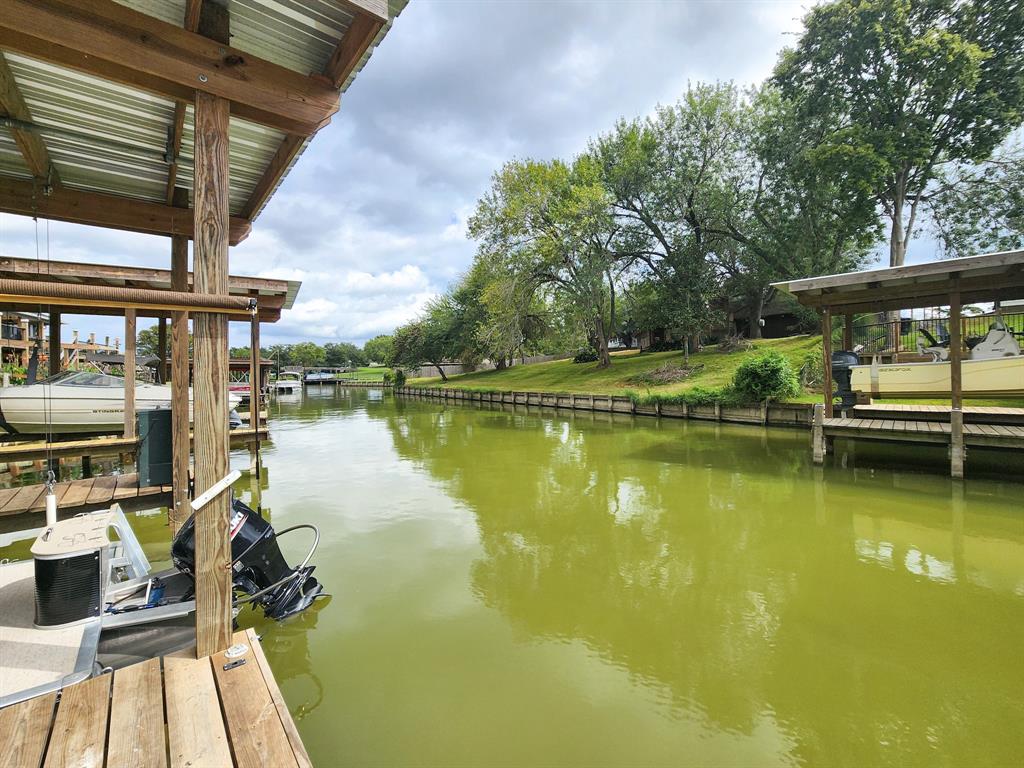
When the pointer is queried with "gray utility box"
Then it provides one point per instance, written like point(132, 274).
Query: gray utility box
point(155, 454)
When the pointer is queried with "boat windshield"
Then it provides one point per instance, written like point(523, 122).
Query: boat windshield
point(84, 379)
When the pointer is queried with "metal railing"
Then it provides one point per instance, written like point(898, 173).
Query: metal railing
point(903, 335)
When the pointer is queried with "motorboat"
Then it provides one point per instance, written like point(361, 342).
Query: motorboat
point(88, 600)
point(286, 381)
point(993, 366)
point(319, 377)
point(79, 401)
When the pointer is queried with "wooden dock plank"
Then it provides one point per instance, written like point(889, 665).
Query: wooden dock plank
point(127, 487)
point(59, 490)
point(23, 731)
point(137, 717)
point(78, 492)
point(23, 499)
point(102, 490)
point(258, 738)
point(80, 728)
point(298, 748)
point(195, 728)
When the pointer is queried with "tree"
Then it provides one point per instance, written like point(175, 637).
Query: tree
point(380, 349)
point(147, 341)
point(431, 338)
point(341, 354)
point(549, 226)
point(909, 86)
point(979, 208)
point(307, 354)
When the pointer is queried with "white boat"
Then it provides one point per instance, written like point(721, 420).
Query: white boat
point(993, 367)
point(79, 401)
point(286, 381)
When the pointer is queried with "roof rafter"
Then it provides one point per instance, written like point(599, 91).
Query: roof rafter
point(109, 40)
point(28, 198)
point(32, 147)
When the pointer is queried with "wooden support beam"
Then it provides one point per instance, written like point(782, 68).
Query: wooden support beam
point(161, 350)
point(826, 349)
point(254, 373)
point(213, 547)
point(55, 350)
point(848, 331)
point(24, 197)
point(272, 175)
point(180, 441)
point(955, 352)
point(32, 148)
point(109, 40)
point(129, 373)
point(352, 47)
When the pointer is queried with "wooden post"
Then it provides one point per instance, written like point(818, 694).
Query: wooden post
point(55, 355)
point(180, 441)
point(24, 343)
point(818, 434)
point(848, 331)
point(129, 373)
point(957, 452)
point(161, 349)
point(826, 349)
point(254, 373)
point(210, 268)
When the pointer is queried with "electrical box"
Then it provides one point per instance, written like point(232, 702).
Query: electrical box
point(155, 454)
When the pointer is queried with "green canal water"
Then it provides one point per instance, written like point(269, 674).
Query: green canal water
point(548, 588)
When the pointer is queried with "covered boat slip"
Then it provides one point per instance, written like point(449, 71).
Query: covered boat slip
point(171, 711)
point(991, 368)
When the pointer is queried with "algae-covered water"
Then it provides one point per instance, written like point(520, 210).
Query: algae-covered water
point(541, 588)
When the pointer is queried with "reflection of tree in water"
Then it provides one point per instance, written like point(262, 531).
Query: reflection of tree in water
point(718, 571)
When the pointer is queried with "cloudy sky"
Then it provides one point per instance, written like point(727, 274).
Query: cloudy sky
point(372, 219)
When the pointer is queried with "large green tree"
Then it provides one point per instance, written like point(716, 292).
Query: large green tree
point(908, 86)
point(380, 349)
point(550, 227)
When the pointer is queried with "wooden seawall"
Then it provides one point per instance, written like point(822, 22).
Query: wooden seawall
point(773, 414)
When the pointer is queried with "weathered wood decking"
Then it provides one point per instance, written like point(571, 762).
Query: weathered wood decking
point(972, 414)
point(78, 495)
point(925, 431)
point(173, 711)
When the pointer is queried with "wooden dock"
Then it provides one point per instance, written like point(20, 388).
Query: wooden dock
point(972, 414)
point(80, 495)
point(172, 711)
point(925, 431)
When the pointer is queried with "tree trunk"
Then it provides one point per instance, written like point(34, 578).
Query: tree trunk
point(756, 308)
point(440, 369)
point(500, 364)
point(603, 358)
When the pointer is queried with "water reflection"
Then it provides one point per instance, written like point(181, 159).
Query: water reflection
point(871, 616)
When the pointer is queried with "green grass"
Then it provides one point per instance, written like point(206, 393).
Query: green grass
point(567, 376)
point(365, 374)
point(587, 378)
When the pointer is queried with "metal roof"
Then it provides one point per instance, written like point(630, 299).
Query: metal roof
point(107, 137)
point(985, 277)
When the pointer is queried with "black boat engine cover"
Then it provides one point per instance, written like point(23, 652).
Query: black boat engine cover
point(257, 564)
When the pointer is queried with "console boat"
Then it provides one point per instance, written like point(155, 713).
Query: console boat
point(992, 367)
point(79, 401)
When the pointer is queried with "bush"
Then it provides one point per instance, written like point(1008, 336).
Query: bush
point(665, 346)
point(399, 377)
point(587, 355)
point(812, 369)
point(766, 376)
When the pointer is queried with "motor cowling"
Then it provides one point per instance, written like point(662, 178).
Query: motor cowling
point(842, 363)
point(256, 563)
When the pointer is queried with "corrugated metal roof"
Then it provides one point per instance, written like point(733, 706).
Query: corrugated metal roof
point(107, 137)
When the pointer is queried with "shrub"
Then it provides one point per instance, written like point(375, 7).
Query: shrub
point(399, 377)
point(765, 376)
point(665, 346)
point(587, 355)
point(812, 369)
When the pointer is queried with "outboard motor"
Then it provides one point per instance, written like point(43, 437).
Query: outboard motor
point(258, 568)
point(842, 362)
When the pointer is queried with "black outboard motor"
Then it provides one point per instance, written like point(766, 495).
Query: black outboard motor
point(842, 361)
point(259, 570)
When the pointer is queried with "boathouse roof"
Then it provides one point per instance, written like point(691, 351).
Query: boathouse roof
point(96, 116)
point(986, 277)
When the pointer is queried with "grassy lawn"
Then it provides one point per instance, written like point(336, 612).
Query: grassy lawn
point(585, 378)
point(364, 374)
point(567, 376)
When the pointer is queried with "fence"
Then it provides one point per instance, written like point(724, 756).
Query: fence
point(903, 335)
point(775, 414)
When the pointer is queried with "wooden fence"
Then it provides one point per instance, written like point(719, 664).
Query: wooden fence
point(775, 414)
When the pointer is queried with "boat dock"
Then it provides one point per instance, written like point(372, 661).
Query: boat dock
point(169, 711)
point(81, 495)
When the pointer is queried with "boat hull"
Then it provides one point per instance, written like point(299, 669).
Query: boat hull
point(997, 377)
